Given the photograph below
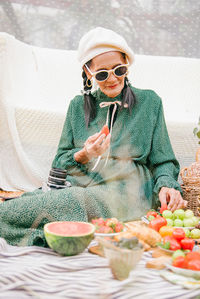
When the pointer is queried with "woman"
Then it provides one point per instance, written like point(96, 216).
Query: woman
point(120, 175)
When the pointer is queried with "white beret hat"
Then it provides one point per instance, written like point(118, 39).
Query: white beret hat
point(100, 40)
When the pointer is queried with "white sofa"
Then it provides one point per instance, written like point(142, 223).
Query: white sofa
point(37, 84)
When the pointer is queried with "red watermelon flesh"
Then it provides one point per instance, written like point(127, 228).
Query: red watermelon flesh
point(69, 237)
point(69, 228)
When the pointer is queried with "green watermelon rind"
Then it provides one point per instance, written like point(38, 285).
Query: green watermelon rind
point(69, 245)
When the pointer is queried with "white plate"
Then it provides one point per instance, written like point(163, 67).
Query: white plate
point(172, 251)
point(106, 235)
point(188, 227)
point(166, 250)
point(184, 272)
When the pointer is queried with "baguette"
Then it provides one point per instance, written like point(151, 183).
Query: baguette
point(158, 263)
point(144, 233)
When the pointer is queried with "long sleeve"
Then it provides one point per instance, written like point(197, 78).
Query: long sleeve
point(163, 164)
point(64, 158)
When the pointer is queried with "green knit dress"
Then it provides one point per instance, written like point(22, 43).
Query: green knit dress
point(141, 161)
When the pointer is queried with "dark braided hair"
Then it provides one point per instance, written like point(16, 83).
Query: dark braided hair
point(89, 99)
point(128, 97)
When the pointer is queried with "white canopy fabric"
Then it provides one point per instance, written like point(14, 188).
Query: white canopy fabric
point(36, 87)
point(37, 84)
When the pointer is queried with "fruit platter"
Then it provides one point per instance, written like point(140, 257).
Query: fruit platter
point(187, 264)
point(107, 227)
point(179, 230)
point(167, 221)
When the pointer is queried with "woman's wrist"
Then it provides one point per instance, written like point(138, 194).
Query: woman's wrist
point(82, 156)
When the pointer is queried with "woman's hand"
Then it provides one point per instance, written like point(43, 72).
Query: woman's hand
point(172, 197)
point(94, 146)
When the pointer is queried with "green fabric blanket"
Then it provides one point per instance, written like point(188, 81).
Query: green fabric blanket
point(141, 161)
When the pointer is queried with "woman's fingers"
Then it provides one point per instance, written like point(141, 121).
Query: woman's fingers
point(176, 201)
point(90, 142)
point(173, 197)
point(174, 204)
point(106, 142)
point(97, 144)
point(93, 138)
point(99, 140)
point(163, 195)
point(182, 204)
point(173, 200)
point(101, 144)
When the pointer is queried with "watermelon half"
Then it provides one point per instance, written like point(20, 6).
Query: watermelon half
point(68, 237)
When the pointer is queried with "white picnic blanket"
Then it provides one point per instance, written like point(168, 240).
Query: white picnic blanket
point(34, 272)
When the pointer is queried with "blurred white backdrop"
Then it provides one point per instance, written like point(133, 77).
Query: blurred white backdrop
point(152, 27)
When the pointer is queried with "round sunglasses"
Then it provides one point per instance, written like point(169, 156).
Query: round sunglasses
point(103, 75)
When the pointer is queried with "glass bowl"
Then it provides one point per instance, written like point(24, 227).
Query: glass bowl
point(121, 260)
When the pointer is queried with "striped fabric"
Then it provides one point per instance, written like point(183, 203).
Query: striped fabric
point(34, 272)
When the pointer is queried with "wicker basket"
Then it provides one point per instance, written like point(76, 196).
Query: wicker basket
point(189, 180)
point(192, 195)
point(191, 175)
point(191, 185)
